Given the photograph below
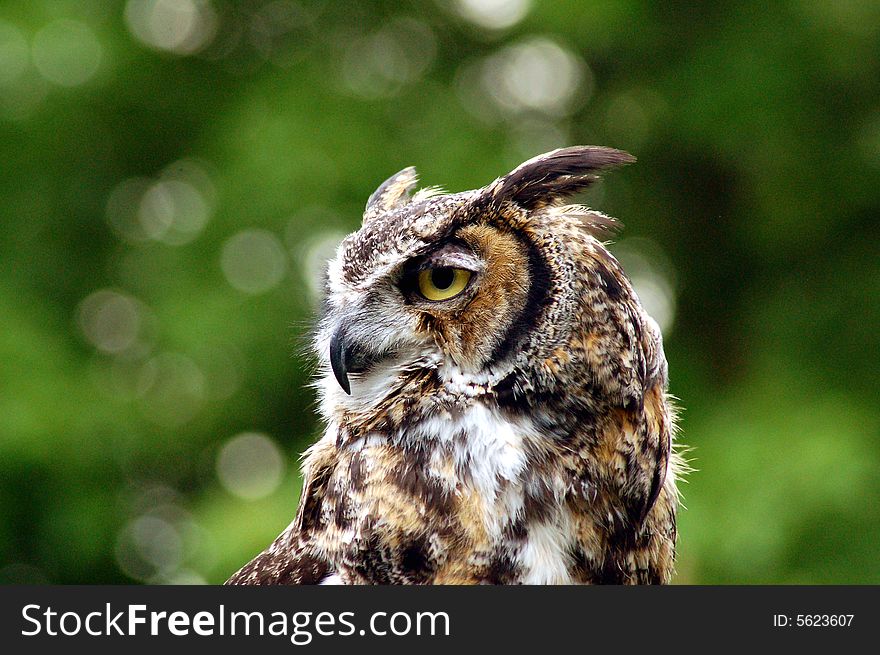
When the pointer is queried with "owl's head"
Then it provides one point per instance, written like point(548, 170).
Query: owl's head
point(465, 287)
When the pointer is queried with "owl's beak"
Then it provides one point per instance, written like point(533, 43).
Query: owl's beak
point(338, 357)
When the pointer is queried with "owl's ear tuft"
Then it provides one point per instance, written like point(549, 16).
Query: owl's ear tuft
point(553, 176)
point(393, 192)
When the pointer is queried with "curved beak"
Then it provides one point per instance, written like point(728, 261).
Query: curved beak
point(338, 361)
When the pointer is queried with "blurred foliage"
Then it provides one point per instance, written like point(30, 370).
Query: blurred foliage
point(175, 172)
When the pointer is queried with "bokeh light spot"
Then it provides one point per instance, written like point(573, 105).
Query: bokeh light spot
point(173, 211)
point(110, 320)
point(250, 466)
point(122, 209)
point(157, 541)
point(493, 14)
point(382, 63)
point(148, 546)
point(536, 75)
point(179, 26)
point(182, 577)
point(253, 261)
point(173, 208)
point(66, 52)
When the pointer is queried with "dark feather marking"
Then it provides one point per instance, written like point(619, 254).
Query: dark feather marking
point(538, 504)
point(625, 537)
point(654, 491)
point(415, 560)
point(612, 284)
point(313, 497)
point(501, 570)
point(641, 360)
point(610, 573)
point(517, 530)
point(538, 297)
point(581, 568)
point(356, 472)
point(507, 392)
point(341, 510)
point(373, 560)
point(413, 479)
point(635, 404)
point(636, 500)
point(659, 477)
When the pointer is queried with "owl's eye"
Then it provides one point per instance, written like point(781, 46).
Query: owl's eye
point(443, 282)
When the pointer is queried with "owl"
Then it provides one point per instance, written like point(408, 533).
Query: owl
point(495, 397)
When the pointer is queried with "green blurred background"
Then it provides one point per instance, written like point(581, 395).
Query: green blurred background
point(175, 173)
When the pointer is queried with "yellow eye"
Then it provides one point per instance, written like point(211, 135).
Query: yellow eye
point(442, 283)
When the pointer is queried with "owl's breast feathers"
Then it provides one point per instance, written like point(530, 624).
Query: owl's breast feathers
point(551, 487)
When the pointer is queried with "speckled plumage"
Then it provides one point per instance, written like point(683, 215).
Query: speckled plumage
point(518, 433)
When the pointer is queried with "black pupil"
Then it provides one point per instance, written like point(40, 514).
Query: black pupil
point(442, 278)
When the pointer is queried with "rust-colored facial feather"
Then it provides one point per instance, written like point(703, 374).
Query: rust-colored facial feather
point(470, 333)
